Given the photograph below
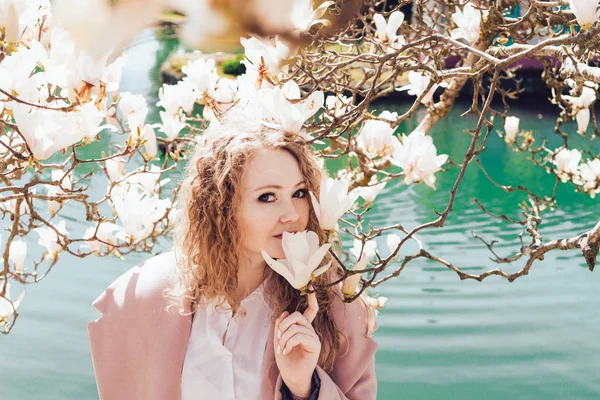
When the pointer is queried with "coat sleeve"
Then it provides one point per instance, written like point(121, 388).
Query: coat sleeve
point(353, 375)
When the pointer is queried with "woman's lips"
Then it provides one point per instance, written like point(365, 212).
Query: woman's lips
point(278, 236)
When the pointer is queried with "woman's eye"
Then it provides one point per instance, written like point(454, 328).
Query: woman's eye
point(301, 193)
point(266, 198)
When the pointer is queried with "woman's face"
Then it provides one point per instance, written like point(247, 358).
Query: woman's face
point(274, 199)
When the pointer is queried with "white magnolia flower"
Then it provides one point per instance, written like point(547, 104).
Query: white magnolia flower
point(377, 302)
point(375, 136)
point(106, 233)
point(468, 22)
point(418, 82)
point(149, 138)
point(173, 217)
point(175, 97)
point(113, 73)
point(567, 163)
point(511, 127)
point(64, 179)
point(581, 104)
point(367, 252)
point(53, 205)
point(337, 106)
point(88, 120)
point(417, 156)
point(351, 282)
point(50, 240)
point(201, 74)
point(302, 258)
point(225, 92)
point(9, 19)
point(19, 19)
point(7, 306)
point(387, 30)
point(170, 125)
point(586, 12)
point(10, 207)
point(590, 176)
point(583, 120)
point(149, 181)
point(392, 241)
point(16, 76)
point(303, 15)
point(134, 108)
point(587, 96)
point(137, 211)
point(116, 168)
point(265, 54)
point(333, 202)
point(46, 131)
point(17, 254)
point(276, 109)
point(369, 193)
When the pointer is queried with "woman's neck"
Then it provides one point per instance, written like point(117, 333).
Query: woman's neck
point(249, 278)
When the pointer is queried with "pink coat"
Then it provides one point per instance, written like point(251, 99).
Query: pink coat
point(138, 347)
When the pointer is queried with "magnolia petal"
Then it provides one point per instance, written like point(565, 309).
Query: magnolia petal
point(278, 267)
point(392, 240)
point(296, 246)
point(20, 299)
point(150, 137)
point(312, 239)
point(441, 159)
point(361, 263)
point(312, 104)
point(12, 28)
point(350, 284)
point(291, 90)
point(318, 256)
point(394, 21)
point(380, 24)
point(322, 270)
point(303, 274)
point(319, 11)
point(316, 207)
point(583, 120)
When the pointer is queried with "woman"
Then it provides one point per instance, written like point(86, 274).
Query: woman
point(210, 320)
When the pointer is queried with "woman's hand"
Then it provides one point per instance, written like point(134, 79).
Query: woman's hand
point(297, 348)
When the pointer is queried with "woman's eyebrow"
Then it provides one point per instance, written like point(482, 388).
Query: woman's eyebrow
point(277, 186)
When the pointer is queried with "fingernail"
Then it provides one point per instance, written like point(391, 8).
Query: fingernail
point(278, 349)
point(282, 314)
point(278, 334)
point(284, 351)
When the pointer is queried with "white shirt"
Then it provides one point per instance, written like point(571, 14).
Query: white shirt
point(233, 369)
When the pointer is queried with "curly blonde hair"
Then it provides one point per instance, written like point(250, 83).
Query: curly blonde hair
point(207, 233)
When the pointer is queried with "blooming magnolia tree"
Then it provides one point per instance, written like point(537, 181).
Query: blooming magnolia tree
point(311, 69)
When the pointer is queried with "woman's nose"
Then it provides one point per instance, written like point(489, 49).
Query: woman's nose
point(289, 213)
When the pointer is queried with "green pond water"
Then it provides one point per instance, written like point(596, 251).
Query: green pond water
point(535, 338)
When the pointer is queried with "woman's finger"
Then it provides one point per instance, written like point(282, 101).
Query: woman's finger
point(313, 306)
point(294, 318)
point(290, 332)
point(277, 325)
point(309, 342)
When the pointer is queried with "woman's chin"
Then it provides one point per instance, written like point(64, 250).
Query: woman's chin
point(277, 255)
point(276, 252)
